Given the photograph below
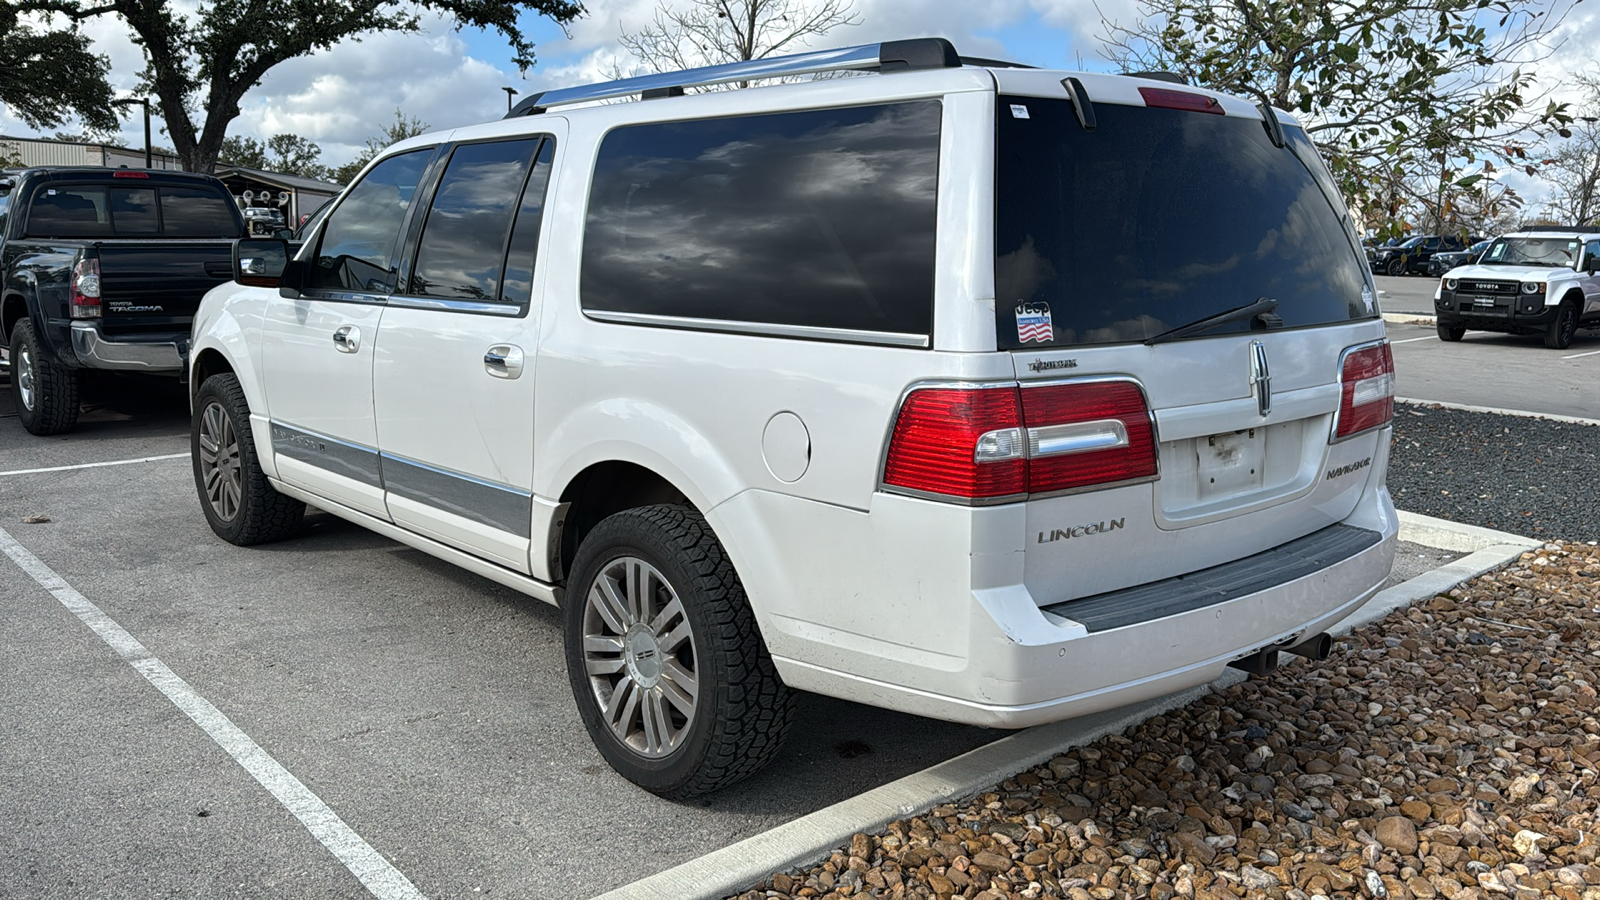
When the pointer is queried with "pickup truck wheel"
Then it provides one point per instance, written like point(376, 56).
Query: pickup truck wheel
point(667, 667)
point(240, 506)
point(45, 392)
point(1559, 335)
point(1396, 266)
point(1451, 333)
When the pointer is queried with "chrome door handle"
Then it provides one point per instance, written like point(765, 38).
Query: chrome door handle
point(503, 361)
point(347, 339)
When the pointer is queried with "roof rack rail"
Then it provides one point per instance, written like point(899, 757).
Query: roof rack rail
point(1169, 77)
point(889, 56)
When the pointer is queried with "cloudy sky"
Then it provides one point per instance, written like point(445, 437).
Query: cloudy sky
point(341, 97)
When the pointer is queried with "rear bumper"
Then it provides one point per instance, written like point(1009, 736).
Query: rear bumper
point(894, 615)
point(161, 353)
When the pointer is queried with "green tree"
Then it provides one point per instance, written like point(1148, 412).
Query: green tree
point(288, 154)
point(243, 151)
point(401, 128)
point(200, 63)
point(1407, 99)
point(48, 75)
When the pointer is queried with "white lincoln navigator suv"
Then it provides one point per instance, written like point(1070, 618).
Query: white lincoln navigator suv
point(986, 393)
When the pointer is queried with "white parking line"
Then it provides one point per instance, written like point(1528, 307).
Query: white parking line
point(383, 880)
point(1580, 355)
point(1410, 340)
point(119, 462)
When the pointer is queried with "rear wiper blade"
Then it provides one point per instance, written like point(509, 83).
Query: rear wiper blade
point(1249, 311)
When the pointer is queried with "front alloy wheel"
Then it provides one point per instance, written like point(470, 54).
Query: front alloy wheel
point(639, 655)
point(222, 482)
point(1397, 266)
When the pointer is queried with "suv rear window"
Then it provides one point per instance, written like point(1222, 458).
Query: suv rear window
point(1156, 219)
point(818, 219)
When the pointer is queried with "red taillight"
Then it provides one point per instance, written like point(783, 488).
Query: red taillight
point(1161, 97)
point(1095, 432)
point(86, 289)
point(987, 443)
point(124, 173)
point(1366, 381)
point(936, 444)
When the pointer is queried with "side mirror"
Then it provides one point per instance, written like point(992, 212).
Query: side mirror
point(260, 262)
point(1592, 265)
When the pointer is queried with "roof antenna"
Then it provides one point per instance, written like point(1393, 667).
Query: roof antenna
point(1080, 101)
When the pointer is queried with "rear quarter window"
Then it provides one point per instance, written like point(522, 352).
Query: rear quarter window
point(822, 219)
point(1158, 218)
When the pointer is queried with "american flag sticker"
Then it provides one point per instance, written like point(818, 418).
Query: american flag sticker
point(1033, 323)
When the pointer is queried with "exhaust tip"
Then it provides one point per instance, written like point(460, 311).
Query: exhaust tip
point(1318, 647)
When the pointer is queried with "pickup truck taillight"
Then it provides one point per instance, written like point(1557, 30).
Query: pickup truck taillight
point(1366, 390)
point(86, 289)
point(1008, 441)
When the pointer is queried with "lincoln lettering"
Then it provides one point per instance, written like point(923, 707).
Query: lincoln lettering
point(1061, 534)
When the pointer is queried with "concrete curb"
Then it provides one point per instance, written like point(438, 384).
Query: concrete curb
point(811, 837)
point(1499, 412)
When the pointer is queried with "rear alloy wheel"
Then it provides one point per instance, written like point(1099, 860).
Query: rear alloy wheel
point(1397, 266)
point(238, 502)
point(667, 667)
point(1559, 335)
point(1451, 333)
point(44, 391)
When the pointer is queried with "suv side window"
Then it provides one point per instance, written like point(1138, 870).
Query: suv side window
point(822, 219)
point(1591, 250)
point(358, 242)
point(463, 251)
point(517, 286)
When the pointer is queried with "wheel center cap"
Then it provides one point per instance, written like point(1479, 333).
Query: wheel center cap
point(642, 655)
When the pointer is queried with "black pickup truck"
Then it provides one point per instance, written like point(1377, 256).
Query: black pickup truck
point(104, 269)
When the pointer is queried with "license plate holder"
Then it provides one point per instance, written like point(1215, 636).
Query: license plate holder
point(1232, 462)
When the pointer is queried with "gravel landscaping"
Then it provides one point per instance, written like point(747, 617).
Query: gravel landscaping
point(1449, 751)
point(1534, 477)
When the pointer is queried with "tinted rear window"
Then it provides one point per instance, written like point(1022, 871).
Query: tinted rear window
point(820, 219)
point(197, 212)
point(1157, 218)
point(82, 211)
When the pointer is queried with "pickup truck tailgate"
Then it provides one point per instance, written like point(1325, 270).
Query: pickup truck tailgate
point(154, 286)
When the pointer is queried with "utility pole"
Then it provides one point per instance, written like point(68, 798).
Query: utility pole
point(510, 92)
point(145, 102)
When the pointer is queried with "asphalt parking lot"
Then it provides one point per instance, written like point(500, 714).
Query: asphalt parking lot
point(426, 707)
point(1499, 371)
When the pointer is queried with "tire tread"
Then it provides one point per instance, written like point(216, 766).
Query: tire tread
point(55, 386)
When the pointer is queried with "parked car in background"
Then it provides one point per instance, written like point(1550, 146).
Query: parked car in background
point(1540, 281)
point(1445, 260)
point(720, 375)
point(1411, 256)
point(103, 269)
point(263, 219)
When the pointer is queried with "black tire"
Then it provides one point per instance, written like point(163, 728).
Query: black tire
point(1451, 333)
point(741, 710)
point(1559, 335)
point(1396, 266)
point(44, 391)
point(238, 502)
